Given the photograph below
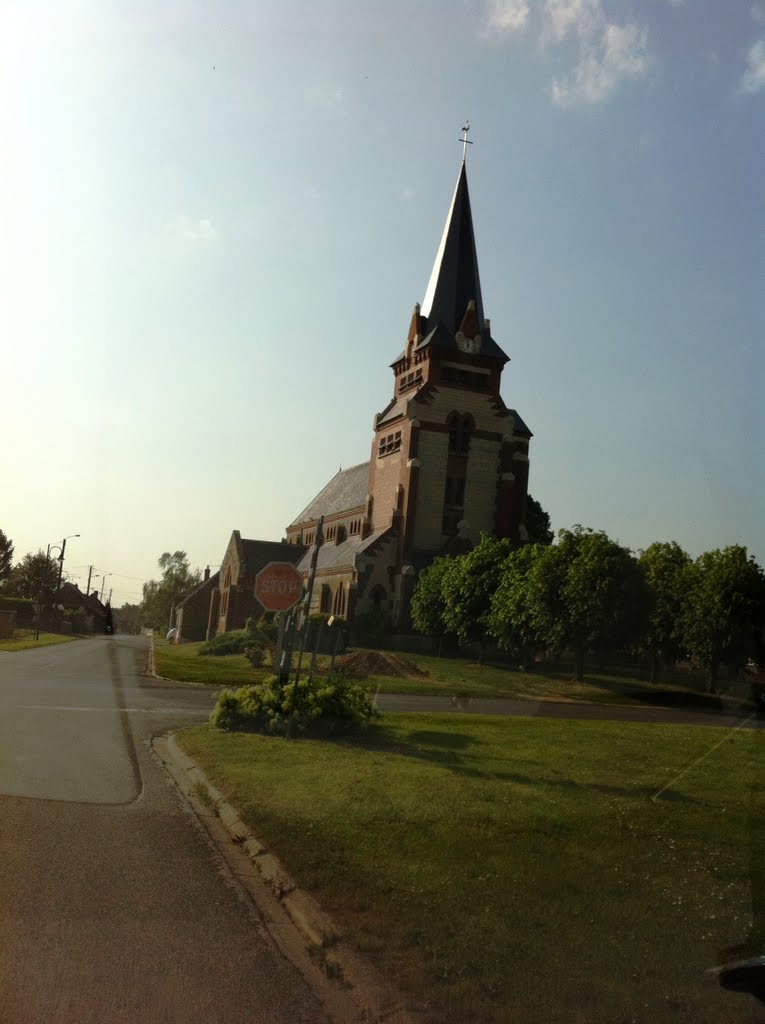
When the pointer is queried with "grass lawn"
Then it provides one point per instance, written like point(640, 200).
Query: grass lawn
point(512, 869)
point(24, 641)
point(448, 676)
point(182, 662)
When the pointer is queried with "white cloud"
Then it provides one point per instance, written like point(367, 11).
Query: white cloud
point(202, 230)
point(753, 79)
point(604, 52)
point(505, 16)
point(608, 53)
point(580, 17)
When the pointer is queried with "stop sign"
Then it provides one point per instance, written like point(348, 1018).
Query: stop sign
point(278, 586)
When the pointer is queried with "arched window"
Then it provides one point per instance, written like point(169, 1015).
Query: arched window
point(325, 602)
point(340, 602)
point(460, 430)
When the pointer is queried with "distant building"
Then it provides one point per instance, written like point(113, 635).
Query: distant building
point(449, 461)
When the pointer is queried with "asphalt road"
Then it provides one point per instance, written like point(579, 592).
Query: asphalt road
point(114, 906)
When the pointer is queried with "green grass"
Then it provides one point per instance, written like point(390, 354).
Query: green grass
point(513, 869)
point(25, 640)
point(183, 663)
point(447, 676)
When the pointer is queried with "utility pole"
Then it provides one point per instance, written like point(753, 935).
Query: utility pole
point(111, 591)
point(90, 573)
point(103, 586)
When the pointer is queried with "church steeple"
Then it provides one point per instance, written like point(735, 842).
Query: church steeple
point(454, 281)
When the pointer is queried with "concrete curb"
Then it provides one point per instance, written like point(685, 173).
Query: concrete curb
point(376, 1000)
point(305, 913)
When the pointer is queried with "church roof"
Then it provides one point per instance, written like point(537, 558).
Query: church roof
point(454, 280)
point(347, 489)
point(519, 427)
point(336, 556)
point(258, 553)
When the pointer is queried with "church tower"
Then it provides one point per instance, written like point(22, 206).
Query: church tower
point(449, 459)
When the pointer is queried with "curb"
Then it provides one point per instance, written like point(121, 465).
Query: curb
point(314, 924)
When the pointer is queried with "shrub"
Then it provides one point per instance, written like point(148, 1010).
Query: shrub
point(372, 628)
point(227, 643)
point(321, 706)
point(255, 654)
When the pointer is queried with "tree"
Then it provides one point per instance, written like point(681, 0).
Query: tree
point(537, 523)
point(127, 618)
point(511, 621)
point(427, 605)
point(161, 596)
point(6, 556)
point(586, 592)
point(35, 577)
point(665, 566)
point(468, 588)
point(724, 611)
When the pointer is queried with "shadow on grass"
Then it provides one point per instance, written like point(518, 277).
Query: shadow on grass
point(444, 749)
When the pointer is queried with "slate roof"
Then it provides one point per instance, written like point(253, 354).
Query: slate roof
point(347, 489)
point(518, 425)
point(391, 411)
point(333, 556)
point(454, 280)
point(212, 581)
point(258, 553)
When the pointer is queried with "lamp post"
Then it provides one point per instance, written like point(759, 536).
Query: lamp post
point(61, 549)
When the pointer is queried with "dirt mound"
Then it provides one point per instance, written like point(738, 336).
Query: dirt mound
point(378, 663)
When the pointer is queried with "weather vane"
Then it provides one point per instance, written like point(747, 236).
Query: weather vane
point(465, 140)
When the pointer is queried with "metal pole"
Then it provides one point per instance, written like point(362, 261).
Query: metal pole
point(312, 669)
point(103, 587)
point(61, 563)
point(306, 609)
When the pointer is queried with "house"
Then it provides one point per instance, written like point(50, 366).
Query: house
point(193, 612)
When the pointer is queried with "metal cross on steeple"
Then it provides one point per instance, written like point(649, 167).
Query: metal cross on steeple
point(465, 140)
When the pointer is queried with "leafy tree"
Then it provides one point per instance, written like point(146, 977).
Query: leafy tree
point(537, 523)
point(724, 611)
point(511, 620)
point(127, 618)
point(428, 604)
point(35, 577)
point(161, 596)
point(586, 592)
point(6, 556)
point(468, 588)
point(665, 566)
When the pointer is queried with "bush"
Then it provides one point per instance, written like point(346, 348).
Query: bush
point(227, 643)
point(321, 706)
point(255, 654)
point(373, 628)
point(23, 606)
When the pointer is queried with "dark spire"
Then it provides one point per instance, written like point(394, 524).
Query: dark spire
point(454, 280)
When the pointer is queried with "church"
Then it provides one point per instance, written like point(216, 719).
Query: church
point(449, 461)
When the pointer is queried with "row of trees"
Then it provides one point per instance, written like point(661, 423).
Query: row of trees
point(588, 594)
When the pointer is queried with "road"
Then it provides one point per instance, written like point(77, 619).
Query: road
point(114, 906)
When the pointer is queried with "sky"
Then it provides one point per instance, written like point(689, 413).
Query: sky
point(216, 218)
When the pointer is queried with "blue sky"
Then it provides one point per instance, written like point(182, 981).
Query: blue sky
point(217, 217)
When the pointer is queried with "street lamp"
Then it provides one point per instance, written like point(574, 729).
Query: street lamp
point(61, 551)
